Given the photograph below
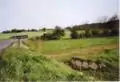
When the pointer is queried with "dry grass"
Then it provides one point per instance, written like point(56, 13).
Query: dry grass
point(84, 53)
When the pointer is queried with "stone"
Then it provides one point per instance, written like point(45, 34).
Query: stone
point(73, 64)
point(102, 65)
point(93, 66)
point(77, 58)
point(85, 65)
point(78, 64)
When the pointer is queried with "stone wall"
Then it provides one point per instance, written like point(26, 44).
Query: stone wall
point(81, 64)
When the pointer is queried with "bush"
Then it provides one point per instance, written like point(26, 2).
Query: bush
point(106, 33)
point(82, 35)
point(56, 35)
point(88, 33)
point(95, 32)
point(74, 34)
point(49, 36)
point(58, 31)
point(44, 29)
point(37, 37)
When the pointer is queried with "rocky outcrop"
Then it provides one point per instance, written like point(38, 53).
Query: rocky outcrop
point(81, 64)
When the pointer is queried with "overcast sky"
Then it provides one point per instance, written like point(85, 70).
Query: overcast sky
point(49, 13)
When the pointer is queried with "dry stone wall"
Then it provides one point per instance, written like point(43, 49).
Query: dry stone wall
point(80, 64)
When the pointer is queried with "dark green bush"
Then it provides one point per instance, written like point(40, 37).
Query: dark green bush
point(74, 34)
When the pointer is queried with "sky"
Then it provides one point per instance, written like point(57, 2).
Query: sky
point(24, 14)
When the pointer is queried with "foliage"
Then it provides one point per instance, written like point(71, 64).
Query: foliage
point(67, 45)
point(109, 27)
point(19, 30)
point(49, 36)
point(44, 29)
point(30, 66)
point(30, 34)
point(88, 33)
point(68, 28)
point(57, 33)
point(74, 34)
point(111, 58)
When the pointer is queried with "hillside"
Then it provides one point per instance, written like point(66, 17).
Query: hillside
point(30, 66)
point(35, 60)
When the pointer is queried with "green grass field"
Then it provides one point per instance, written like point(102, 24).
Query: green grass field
point(30, 34)
point(31, 66)
point(41, 60)
point(34, 66)
point(57, 46)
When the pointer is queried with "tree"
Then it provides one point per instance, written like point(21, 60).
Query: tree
point(103, 19)
point(44, 29)
point(58, 31)
point(7, 31)
point(34, 30)
point(82, 35)
point(106, 32)
point(74, 34)
point(95, 32)
point(68, 28)
point(49, 36)
point(113, 18)
point(88, 33)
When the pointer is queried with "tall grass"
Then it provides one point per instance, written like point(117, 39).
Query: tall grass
point(17, 64)
point(111, 58)
point(111, 72)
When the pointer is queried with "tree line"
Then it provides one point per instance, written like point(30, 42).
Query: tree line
point(104, 28)
point(19, 30)
point(109, 27)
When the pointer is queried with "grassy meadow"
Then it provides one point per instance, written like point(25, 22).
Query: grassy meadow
point(103, 49)
point(31, 66)
point(41, 60)
point(58, 46)
point(30, 34)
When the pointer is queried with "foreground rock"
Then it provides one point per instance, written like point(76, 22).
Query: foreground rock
point(80, 64)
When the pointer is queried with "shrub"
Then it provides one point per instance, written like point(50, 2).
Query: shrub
point(74, 34)
point(106, 33)
point(57, 33)
point(49, 36)
point(82, 35)
point(88, 33)
point(95, 32)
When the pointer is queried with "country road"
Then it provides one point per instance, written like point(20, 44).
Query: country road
point(5, 43)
